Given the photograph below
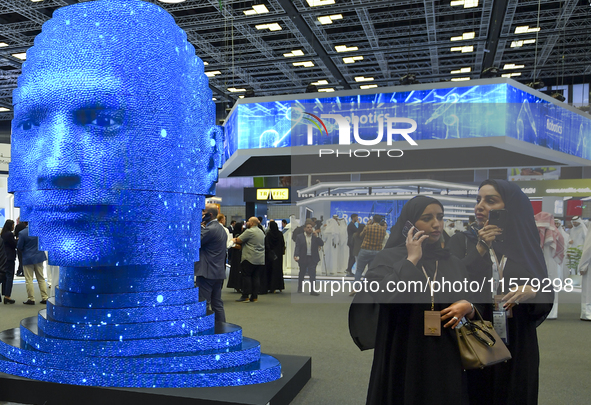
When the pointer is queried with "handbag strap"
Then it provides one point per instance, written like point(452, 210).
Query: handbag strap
point(474, 328)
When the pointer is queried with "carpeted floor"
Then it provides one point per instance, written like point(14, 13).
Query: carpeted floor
point(340, 372)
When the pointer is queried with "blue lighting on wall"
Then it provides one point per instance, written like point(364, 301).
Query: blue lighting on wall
point(114, 150)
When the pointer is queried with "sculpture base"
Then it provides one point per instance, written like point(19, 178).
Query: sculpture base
point(296, 371)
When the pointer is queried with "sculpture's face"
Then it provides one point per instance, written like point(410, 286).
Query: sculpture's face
point(113, 134)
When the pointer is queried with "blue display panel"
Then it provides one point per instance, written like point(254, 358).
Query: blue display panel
point(460, 112)
point(114, 149)
point(390, 210)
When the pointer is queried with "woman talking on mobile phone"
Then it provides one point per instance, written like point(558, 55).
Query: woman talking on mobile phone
point(518, 302)
point(416, 358)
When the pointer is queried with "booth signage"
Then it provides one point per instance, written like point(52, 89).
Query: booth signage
point(276, 194)
point(556, 188)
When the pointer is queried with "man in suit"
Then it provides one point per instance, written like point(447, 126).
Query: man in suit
point(306, 254)
point(351, 229)
point(210, 270)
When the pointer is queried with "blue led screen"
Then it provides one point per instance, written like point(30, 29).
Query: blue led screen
point(460, 112)
point(390, 210)
point(114, 149)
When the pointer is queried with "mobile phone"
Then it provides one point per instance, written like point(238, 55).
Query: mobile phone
point(498, 218)
point(407, 227)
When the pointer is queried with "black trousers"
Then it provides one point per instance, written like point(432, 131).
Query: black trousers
point(251, 279)
point(306, 266)
point(351, 260)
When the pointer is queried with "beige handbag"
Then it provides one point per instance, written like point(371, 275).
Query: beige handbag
point(480, 345)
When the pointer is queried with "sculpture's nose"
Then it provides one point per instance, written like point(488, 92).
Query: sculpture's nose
point(59, 166)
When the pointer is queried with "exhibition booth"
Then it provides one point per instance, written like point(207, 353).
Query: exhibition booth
point(481, 125)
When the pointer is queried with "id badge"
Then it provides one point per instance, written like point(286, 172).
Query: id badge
point(500, 324)
point(432, 323)
point(498, 306)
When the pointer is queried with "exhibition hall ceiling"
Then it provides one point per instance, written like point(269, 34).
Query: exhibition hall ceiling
point(273, 47)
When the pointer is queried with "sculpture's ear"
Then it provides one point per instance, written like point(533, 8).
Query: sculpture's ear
point(216, 156)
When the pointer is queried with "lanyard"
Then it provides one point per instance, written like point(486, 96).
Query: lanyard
point(497, 269)
point(431, 283)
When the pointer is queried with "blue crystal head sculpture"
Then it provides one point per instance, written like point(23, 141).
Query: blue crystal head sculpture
point(114, 145)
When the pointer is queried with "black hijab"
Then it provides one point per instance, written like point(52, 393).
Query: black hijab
point(521, 237)
point(237, 229)
point(274, 235)
point(412, 211)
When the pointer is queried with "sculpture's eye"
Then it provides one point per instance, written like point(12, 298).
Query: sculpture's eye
point(28, 125)
point(104, 119)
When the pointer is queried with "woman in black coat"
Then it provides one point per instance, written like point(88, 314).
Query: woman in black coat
point(409, 365)
point(274, 250)
point(516, 381)
point(10, 249)
point(235, 276)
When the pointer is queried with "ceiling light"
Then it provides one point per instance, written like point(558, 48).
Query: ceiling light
point(520, 43)
point(525, 28)
point(363, 79)
point(3, 44)
point(21, 56)
point(205, 63)
point(234, 90)
point(320, 82)
point(326, 90)
point(511, 74)
point(213, 74)
point(344, 48)
point(463, 49)
point(240, 96)
point(260, 8)
point(465, 3)
point(37, 1)
point(512, 66)
point(460, 79)
point(352, 59)
point(4, 109)
point(307, 63)
point(214, 99)
point(164, 1)
point(462, 70)
point(318, 3)
point(328, 19)
point(464, 36)
point(257, 9)
point(368, 86)
point(297, 52)
point(271, 27)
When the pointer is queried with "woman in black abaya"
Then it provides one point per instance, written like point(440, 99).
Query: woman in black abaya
point(235, 276)
point(516, 381)
point(410, 367)
point(274, 250)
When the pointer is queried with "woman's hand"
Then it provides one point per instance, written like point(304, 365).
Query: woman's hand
point(488, 233)
point(455, 312)
point(414, 248)
point(522, 294)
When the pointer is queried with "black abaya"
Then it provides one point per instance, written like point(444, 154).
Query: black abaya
point(409, 367)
